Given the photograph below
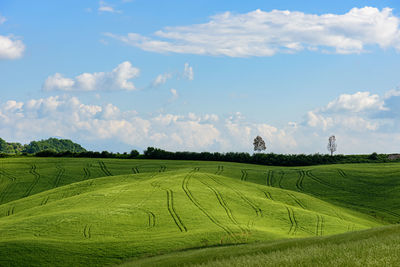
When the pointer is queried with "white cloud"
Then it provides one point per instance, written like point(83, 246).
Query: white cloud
point(118, 79)
point(359, 128)
point(188, 72)
point(161, 79)
point(104, 7)
point(260, 33)
point(10, 47)
point(360, 101)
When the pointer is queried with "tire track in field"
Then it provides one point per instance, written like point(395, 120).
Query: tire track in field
point(172, 211)
point(135, 170)
point(244, 175)
point(8, 175)
point(282, 173)
point(44, 201)
point(299, 182)
point(185, 188)
point(162, 168)
point(223, 204)
point(8, 188)
point(298, 201)
point(342, 173)
point(10, 211)
point(87, 173)
point(87, 231)
point(219, 170)
point(267, 195)
point(60, 173)
point(293, 222)
point(269, 177)
point(254, 206)
point(35, 180)
point(320, 225)
point(104, 169)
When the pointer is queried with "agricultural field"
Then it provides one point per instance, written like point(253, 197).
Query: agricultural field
point(72, 212)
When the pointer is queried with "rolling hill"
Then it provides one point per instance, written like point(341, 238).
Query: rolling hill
point(69, 211)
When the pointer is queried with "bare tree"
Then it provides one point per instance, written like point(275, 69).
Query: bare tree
point(259, 144)
point(332, 144)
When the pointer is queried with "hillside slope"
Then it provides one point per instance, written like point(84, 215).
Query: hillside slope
point(85, 211)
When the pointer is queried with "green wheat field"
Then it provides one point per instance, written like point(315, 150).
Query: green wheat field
point(96, 212)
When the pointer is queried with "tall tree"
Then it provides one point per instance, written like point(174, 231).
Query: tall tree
point(259, 144)
point(332, 144)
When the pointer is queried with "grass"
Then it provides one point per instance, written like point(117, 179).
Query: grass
point(65, 211)
point(372, 247)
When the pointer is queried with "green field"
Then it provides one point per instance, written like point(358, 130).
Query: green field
point(65, 211)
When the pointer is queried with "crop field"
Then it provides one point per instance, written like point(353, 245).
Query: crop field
point(71, 212)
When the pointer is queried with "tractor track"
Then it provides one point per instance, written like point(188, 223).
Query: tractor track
point(299, 182)
point(223, 204)
point(135, 170)
point(298, 201)
point(269, 177)
point(293, 222)
point(172, 211)
point(342, 173)
point(185, 188)
point(320, 225)
point(44, 201)
point(87, 232)
point(35, 180)
point(244, 175)
point(10, 211)
point(219, 170)
point(104, 169)
point(255, 207)
point(60, 173)
point(87, 173)
point(8, 175)
point(282, 173)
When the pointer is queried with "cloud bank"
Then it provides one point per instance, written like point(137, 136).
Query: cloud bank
point(362, 122)
point(118, 79)
point(260, 33)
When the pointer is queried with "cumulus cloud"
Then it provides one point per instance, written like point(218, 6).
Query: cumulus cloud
point(161, 79)
point(118, 79)
point(360, 101)
point(105, 7)
point(11, 47)
point(260, 33)
point(360, 126)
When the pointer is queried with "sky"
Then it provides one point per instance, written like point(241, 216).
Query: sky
point(202, 75)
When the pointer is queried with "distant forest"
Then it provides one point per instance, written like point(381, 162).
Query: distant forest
point(54, 147)
point(51, 144)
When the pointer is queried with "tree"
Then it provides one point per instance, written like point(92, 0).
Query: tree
point(332, 144)
point(259, 144)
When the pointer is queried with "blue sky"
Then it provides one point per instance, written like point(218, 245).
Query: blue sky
point(202, 75)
